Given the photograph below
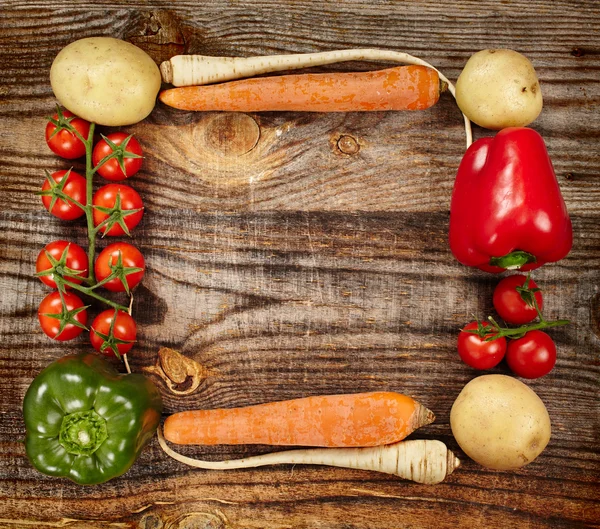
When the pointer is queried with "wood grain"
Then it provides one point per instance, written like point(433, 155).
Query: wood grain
point(295, 254)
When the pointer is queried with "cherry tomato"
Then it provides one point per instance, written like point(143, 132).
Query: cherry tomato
point(124, 329)
point(64, 142)
point(509, 302)
point(130, 256)
point(111, 169)
point(52, 304)
point(74, 188)
point(107, 196)
point(475, 351)
point(76, 259)
point(532, 356)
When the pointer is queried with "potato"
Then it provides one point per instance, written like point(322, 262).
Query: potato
point(499, 422)
point(105, 80)
point(498, 89)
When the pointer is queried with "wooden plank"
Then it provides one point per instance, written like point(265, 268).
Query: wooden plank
point(296, 254)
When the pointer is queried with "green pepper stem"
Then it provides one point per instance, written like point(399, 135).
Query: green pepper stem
point(82, 432)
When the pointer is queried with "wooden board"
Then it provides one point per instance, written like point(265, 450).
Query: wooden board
point(298, 254)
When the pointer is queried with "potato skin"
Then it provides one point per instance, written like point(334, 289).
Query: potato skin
point(499, 89)
point(499, 422)
point(105, 80)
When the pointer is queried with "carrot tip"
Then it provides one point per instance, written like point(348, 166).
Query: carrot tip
point(423, 416)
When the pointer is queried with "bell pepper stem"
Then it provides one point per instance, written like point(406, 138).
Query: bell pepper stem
point(513, 260)
point(82, 432)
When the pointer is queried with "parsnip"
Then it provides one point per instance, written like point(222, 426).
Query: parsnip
point(191, 70)
point(422, 461)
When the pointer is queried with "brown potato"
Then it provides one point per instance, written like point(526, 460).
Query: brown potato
point(105, 80)
point(499, 422)
point(499, 89)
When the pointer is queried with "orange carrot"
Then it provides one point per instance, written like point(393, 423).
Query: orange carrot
point(400, 88)
point(351, 420)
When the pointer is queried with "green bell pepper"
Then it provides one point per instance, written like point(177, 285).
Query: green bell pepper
point(87, 422)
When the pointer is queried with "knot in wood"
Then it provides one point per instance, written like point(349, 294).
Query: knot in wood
point(150, 521)
point(347, 145)
point(230, 134)
point(198, 520)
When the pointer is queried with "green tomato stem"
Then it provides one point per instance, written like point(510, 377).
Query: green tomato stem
point(505, 332)
point(89, 213)
point(88, 291)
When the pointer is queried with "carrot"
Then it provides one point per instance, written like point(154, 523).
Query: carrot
point(422, 461)
point(351, 420)
point(189, 70)
point(399, 88)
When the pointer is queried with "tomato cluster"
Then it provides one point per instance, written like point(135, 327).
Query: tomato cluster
point(529, 352)
point(113, 210)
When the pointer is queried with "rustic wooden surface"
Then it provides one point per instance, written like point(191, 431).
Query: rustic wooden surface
point(297, 254)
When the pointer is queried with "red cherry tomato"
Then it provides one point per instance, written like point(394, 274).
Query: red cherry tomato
point(75, 188)
point(130, 256)
point(106, 197)
point(124, 329)
point(63, 142)
point(476, 352)
point(532, 356)
point(509, 303)
point(111, 169)
point(76, 259)
point(52, 304)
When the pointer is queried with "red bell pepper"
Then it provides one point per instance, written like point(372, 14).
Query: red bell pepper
point(507, 211)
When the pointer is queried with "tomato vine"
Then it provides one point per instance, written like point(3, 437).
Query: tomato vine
point(69, 196)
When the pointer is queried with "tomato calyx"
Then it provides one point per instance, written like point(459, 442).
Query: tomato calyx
point(528, 296)
point(116, 215)
point(60, 271)
point(119, 153)
point(110, 341)
point(56, 191)
point(66, 316)
point(120, 272)
point(62, 122)
point(483, 330)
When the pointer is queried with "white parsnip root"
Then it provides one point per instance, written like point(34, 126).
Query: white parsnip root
point(422, 461)
point(192, 70)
